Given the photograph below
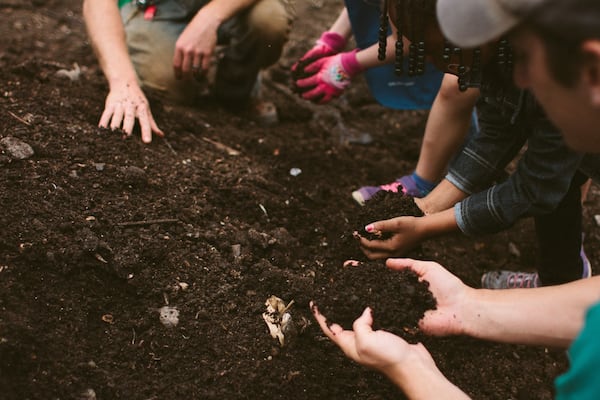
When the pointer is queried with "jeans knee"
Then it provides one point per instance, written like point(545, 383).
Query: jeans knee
point(270, 21)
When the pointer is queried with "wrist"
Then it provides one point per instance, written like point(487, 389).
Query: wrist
point(417, 377)
point(350, 63)
point(333, 40)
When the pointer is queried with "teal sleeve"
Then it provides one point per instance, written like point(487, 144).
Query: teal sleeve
point(582, 380)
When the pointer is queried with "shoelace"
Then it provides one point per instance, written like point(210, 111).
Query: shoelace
point(521, 280)
point(391, 187)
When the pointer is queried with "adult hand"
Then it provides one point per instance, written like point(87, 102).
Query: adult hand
point(329, 77)
point(330, 43)
point(195, 47)
point(406, 235)
point(378, 350)
point(451, 294)
point(123, 106)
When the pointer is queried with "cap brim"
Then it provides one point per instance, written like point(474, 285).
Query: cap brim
point(471, 23)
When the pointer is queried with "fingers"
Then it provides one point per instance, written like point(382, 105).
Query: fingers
point(376, 245)
point(364, 324)
point(190, 64)
point(308, 83)
point(322, 321)
point(401, 263)
point(129, 120)
point(122, 115)
point(117, 117)
point(105, 117)
point(178, 64)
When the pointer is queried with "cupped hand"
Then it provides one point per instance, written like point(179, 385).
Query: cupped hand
point(123, 106)
point(451, 295)
point(330, 43)
point(327, 80)
point(378, 350)
point(405, 236)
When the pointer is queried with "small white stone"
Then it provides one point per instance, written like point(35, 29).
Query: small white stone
point(295, 171)
point(597, 219)
point(169, 316)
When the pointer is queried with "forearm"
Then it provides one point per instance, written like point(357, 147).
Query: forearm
point(436, 224)
point(342, 25)
point(551, 315)
point(107, 36)
point(447, 127)
point(219, 11)
point(419, 380)
point(444, 196)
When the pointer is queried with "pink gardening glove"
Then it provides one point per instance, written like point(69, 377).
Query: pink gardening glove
point(328, 44)
point(328, 77)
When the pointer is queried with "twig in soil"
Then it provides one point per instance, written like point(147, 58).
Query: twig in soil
point(230, 151)
point(148, 222)
point(169, 146)
point(19, 118)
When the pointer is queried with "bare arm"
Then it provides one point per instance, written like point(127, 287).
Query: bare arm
point(196, 44)
point(342, 25)
point(126, 101)
point(551, 315)
point(107, 35)
point(447, 127)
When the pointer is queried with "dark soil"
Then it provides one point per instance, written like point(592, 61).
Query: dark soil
point(99, 233)
point(398, 299)
point(381, 206)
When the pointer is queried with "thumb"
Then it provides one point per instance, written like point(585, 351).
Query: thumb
point(401, 263)
point(364, 323)
point(380, 226)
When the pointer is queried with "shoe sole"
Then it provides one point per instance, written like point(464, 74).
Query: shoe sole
point(358, 198)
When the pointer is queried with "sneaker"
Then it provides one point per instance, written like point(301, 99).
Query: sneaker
point(406, 184)
point(509, 280)
point(264, 112)
point(587, 266)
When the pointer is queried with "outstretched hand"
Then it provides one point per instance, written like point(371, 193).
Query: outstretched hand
point(123, 106)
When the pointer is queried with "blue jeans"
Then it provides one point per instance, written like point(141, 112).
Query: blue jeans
point(544, 184)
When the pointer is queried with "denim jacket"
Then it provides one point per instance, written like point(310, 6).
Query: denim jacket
point(509, 118)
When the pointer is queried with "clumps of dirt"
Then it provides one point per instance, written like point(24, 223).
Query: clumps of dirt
point(398, 298)
point(385, 205)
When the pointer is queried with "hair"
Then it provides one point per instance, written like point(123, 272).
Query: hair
point(412, 16)
point(563, 26)
point(417, 10)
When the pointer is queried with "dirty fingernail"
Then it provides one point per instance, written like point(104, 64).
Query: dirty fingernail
point(369, 228)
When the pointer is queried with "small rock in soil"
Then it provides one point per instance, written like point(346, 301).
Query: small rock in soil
point(16, 148)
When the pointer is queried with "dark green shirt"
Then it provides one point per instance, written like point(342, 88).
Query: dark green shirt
point(582, 380)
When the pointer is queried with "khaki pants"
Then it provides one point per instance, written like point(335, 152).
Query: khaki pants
point(248, 42)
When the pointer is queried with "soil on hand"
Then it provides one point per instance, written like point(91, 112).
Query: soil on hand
point(385, 205)
point(99, 233)
point(398, 299)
